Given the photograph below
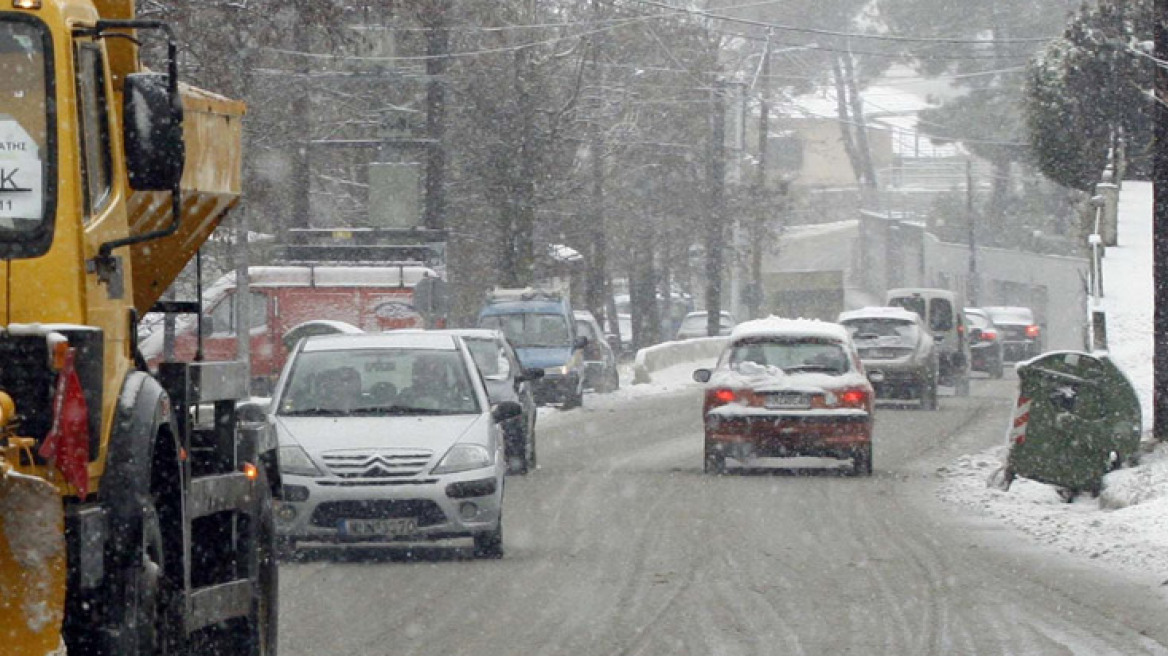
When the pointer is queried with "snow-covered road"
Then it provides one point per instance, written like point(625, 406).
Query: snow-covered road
point(618, 544)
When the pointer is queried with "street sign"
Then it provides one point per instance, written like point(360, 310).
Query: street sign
point(21, 184)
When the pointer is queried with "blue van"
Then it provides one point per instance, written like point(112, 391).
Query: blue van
point(541, 327)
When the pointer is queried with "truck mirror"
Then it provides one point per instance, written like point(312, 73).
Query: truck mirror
point(580, 343)
point(155, 151)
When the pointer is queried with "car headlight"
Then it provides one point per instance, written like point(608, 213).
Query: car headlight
point(464, 457)
point(557, 371)
point(293, 460)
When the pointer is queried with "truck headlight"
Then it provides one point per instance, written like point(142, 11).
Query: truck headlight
point(464, 457)
point(293, 460)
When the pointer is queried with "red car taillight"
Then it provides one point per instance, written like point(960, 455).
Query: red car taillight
point(1032, 331)
point(988, 336)
point(720, 396)
point(852, 397)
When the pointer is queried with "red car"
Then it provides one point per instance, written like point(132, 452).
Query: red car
point(784, 388)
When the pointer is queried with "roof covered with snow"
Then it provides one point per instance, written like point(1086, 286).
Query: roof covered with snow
point(779, 327)
point(879, 312)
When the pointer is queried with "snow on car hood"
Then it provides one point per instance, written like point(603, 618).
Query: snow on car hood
point(435, 433)
point(763, 378)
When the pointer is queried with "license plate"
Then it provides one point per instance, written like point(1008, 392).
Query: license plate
point(787, 401)
point(387, 528)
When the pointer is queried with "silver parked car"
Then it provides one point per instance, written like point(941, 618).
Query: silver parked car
point(898, 353)
point(694, 325)
point(600, 368)
point(388, 437)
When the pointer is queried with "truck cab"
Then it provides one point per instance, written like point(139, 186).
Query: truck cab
point(541, 326)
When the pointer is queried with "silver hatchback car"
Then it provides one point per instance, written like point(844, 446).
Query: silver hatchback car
point(388, 437)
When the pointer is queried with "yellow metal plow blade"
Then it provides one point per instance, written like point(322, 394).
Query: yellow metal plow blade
point(32, 566)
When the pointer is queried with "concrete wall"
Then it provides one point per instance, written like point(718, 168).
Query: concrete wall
point(662, 356)
point(1053, 286)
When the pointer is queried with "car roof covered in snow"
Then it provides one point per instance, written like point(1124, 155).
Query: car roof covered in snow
point(879, 312)
point(779, 327)
point(403, 339)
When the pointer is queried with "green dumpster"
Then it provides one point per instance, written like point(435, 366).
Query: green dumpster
point(1077, 418)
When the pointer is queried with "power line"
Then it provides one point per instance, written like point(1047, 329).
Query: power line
point(470, 53)
point(859, 35)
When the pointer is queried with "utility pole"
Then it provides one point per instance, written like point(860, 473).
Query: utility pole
point(715, 231)
point(437, 50)
point(971, 288)
point(754, 299)
point(1160, 237)
point(302, 139)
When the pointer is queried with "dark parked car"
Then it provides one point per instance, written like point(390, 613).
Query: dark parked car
point(506, 380)
point(1021, 334)
point(600, 372)
point(898, 353)
point(985, 343)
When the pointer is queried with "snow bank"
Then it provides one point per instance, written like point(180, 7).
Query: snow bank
point(1126, 527)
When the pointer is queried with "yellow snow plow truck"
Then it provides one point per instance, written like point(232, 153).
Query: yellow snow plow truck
point(129, 523)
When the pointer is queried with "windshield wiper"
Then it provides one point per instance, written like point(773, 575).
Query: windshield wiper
point(315, 412)
point(397, 410)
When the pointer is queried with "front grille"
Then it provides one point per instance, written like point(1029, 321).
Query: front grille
point(330, 513)
point(381, 464)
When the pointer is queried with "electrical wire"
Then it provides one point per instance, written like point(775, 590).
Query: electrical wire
point(859, 35)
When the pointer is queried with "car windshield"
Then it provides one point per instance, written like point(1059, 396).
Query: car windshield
point(531, 329)
point(791, 354)
point(378, 381)
point(26, 123)
point(489, 357)
point(883, 331)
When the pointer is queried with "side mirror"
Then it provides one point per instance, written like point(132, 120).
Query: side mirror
point(505, 411)
point(581, 342)
point(155, 151)
point(702, 375)
point(529, 375)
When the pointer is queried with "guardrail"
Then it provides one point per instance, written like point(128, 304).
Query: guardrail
point(661, 356)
